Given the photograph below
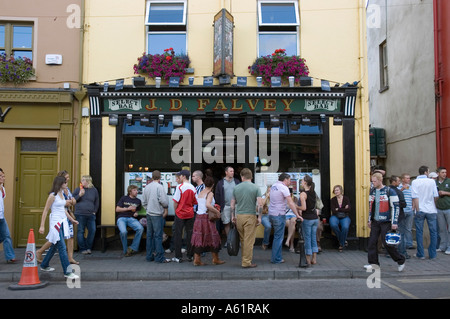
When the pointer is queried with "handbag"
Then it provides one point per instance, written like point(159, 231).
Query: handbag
point(319, 203)
point(233, 241)
point(341, 215)
point(212, 215)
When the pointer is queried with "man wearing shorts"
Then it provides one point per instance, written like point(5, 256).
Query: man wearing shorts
point(280, 197)
point(223, 195)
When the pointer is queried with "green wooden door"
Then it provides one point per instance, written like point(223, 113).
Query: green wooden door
point(36, 174)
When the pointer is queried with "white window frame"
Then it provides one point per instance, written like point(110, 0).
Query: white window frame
point(155, 24)
point(147, 12)
point(297, 15)
point(296, 24)
point(384, 67)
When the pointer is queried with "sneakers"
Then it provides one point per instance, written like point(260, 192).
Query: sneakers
point(176, 260)
point(401, 267)
point(447, 252)
point(368, 267)
point(71, 276)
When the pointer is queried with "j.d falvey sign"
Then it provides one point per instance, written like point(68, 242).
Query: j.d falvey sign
point(203, 105)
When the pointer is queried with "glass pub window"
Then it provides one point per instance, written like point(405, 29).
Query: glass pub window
point(166, 26)
point(278, 27)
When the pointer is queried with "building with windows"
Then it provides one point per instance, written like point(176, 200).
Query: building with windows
point(218, 114)
point(407, 45)
point(39, 119)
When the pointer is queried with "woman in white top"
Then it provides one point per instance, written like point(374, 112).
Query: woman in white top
point(59, 227)
point(70, 201)
point(205, 236)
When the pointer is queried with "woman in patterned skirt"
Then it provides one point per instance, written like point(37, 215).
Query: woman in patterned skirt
point(205, 236)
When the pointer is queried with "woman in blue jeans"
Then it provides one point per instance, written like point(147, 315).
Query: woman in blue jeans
point(307, 204)
point(5, 236)
point(58, 226)
point(340, 221)
point(265, 219)
point(85, 212)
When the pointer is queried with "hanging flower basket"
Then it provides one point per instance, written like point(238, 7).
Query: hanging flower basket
point(279, 64)
point(14, 70)
point(164, 65)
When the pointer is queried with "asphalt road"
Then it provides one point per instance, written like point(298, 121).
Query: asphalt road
point(390, 288)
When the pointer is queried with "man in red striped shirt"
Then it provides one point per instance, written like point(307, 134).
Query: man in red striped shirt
point(183, 204)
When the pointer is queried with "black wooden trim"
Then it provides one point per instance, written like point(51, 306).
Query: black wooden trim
point(95, 159)
point(350, 169)
point(325, 169)
point(120, 159)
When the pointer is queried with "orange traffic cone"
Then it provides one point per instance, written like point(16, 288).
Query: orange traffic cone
point(30, 277)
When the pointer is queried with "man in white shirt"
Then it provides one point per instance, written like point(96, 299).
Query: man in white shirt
point(424, 195)
point(280, 196)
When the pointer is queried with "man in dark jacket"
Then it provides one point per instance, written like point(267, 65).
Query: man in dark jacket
point(395, 182)
point(223, 195)
point(383, 217)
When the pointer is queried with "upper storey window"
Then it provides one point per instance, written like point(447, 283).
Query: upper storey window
point(278, 27)
point(166, 26)
point(16, 39)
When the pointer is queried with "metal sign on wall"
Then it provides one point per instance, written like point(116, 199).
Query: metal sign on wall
point(223, 43)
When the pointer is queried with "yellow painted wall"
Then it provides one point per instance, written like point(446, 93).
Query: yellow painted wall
point(336, 156)
point(115, 37)
point(332, 40)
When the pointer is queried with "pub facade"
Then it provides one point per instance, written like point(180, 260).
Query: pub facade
point(223, 116)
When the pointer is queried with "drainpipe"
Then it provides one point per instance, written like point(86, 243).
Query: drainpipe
point(80, 94)
point(437, 81)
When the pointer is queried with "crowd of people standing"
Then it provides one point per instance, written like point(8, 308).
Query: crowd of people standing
point(403, 203)
point(239, 203)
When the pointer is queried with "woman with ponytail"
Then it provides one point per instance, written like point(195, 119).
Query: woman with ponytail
point(307, 204)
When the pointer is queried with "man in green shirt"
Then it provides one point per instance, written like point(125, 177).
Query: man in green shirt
point(246, 197)
point(443, 209)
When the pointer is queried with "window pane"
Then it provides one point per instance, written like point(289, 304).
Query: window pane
point(166, 13)
point(38, 145)
point(278, 13)
point(23, 54)
point(268, 43)
point(2, 36)
point(22, 37)
point(158, 42)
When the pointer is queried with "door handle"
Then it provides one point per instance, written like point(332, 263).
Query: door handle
point(21, 202)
